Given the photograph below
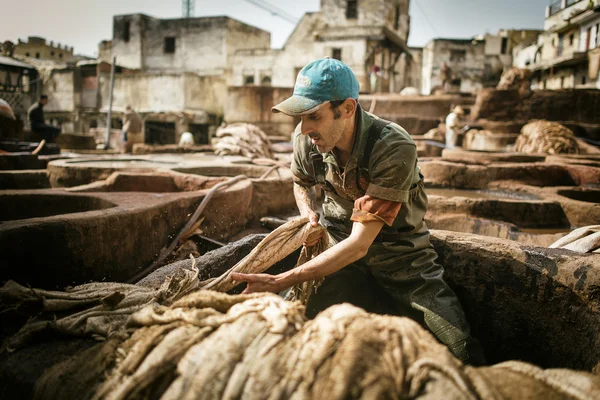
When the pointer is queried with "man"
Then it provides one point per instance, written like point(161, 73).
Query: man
point(373, 209)
point(132, 129)
point(37, 122)
point(453, 126)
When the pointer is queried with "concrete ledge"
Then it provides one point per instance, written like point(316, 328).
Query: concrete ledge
point(529, 303)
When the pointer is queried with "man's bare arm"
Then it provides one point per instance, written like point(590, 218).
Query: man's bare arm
point(305, 200)
point(333, 259)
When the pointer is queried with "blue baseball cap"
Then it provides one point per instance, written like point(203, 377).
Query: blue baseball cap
point(320, 81)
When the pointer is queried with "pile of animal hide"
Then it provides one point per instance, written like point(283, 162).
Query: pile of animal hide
point(516, 78)
point(211, 345)
point(183, 341)
point(242, 140)
point(101, 308)
point(545, 137)
point(581, 240)
point(470, 137)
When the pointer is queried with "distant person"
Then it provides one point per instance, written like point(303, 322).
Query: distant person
point(37, 123)
point(132, 129)
point(453, 126)
point(187, 139)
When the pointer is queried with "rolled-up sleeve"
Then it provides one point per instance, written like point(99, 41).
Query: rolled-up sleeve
point(301, 165)
point(392, 168)
point(369, 208)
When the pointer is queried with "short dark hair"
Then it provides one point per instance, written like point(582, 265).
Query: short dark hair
point(43, 97)
point(335, 107)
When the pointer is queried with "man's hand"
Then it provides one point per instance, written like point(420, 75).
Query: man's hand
point(258, 282)
point(314, 237)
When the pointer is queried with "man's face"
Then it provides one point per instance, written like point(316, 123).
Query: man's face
point(44, 101)
point(323, 128)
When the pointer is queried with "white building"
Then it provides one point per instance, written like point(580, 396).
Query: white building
point(567, 53)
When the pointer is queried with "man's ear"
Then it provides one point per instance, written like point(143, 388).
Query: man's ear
point(349, 107)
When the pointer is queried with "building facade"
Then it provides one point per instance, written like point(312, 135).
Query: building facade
point(467, 65)
point(204, 45)
point(368, 35)
point(39, 48)
point(567, 53)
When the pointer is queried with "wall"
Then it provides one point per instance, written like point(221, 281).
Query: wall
point(144, 92)
point(46, 50)
point(415, 114)
point(578, 106)
point(523, 56)
point(202, 45)
point(199, 45)
point(60, 89)
point(595, 34)
point(370, 13)
point(471, 70)
point(252, 104)
point(564, 14)
point(129, 53)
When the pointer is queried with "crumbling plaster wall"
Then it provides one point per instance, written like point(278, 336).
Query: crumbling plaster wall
point(200, 45)
point(129, 53)
point(370, 13)
point(60, 89)
point(257, 63)
point(469, 70)
point(155, 93)
point(253, 104)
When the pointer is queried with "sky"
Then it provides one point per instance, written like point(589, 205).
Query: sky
point(83, 24)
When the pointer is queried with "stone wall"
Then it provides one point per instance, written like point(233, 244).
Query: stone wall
point(470, 68)
point(60, 89)
point(201, 45)
point(252, 104)
point(554, 105)
point(415, 114)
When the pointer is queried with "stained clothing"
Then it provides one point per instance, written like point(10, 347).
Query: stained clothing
point(383, 173)
point(37, 123)
point(452, 127)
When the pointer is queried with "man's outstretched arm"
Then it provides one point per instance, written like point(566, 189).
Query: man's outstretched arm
point(333, 259)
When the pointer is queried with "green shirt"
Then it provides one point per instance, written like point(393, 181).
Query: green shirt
point(392, 174)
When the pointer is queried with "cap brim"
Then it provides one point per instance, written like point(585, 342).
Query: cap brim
point(297, 106)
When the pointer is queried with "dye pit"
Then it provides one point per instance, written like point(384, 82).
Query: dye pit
point(107, 217)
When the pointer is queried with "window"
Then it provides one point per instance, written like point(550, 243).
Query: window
point(562, 82)
point(458, 55)
point(266, 81)
point(504, 48)
point(544, 85)
point(583, 80)
point(52, 53)
point(27, 54)
point(249, 80)
point(337, 54)
point(126, 30)
point(59, 55)
point(571, 39)
point(170, 45)
point(37, 55)
point(352, 9)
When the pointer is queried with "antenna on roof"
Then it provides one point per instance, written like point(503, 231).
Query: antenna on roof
point(187, 8)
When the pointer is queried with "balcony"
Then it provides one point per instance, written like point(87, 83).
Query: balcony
point(560, 5)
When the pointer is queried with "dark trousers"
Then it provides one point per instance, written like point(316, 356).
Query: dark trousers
point(47, 132)
point(402, 278)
